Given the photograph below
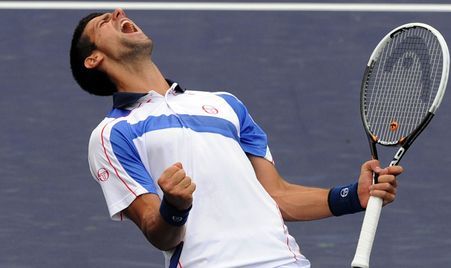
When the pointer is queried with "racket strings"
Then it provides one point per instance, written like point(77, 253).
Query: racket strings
point(402, 84)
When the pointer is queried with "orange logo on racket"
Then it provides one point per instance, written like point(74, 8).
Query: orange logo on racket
point(394, 126)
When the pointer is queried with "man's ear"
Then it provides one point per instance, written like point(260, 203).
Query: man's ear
point(93, 60)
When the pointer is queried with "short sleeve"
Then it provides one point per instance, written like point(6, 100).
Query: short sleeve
point(253, 140)
point(115, 164)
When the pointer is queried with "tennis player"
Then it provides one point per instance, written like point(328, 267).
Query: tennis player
point(192, 169)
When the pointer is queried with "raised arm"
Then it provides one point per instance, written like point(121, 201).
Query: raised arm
point(296, 202)
point(162, 221)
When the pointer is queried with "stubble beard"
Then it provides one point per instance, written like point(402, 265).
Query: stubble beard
point(136, 51)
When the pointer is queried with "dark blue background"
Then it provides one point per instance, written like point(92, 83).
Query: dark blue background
point(299, 74)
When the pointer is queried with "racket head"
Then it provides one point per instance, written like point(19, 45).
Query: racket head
point(404, 83)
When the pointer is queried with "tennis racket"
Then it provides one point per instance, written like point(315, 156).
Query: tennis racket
point(403, 85)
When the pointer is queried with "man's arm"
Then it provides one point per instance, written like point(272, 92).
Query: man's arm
point(298, 203)
point(144, 211)
point(160, 223)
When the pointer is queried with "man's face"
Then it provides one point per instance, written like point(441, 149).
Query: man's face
point(117, 36)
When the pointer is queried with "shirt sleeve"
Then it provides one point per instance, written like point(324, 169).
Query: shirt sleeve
point(115, 164)
point(253, 139)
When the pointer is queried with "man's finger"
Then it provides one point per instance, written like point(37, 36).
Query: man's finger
point(395, 170)
point(384, 186)
point(170, 171)
point(389, 179)
point(386, 196)
point(371, 166)
point(171, 176)
point(184, 183)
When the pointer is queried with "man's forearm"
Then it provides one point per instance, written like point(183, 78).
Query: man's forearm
point(145, 212)
point(160, 234)
point(300, 203)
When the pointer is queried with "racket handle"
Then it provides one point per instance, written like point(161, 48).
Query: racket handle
point(368, 232)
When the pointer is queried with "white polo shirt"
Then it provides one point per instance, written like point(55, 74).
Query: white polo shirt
point(233, 222)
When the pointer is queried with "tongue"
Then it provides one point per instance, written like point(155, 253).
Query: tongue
point(128, 28)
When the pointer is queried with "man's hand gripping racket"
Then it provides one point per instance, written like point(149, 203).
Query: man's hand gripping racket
point(403, 85)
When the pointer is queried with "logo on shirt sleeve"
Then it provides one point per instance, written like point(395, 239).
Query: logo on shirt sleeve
point(103, 174)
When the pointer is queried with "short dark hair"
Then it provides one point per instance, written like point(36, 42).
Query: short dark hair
point(92, 80)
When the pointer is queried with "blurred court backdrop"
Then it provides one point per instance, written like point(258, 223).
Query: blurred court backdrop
point(298, 72)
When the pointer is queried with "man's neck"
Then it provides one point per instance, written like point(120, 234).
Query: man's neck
point(140, 78)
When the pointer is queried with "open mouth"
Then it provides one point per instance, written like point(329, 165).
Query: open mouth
point(128, 27)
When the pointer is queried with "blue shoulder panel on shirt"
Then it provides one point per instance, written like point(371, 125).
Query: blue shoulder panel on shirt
point(253, 139)
point(116, 113)
point(125, 151)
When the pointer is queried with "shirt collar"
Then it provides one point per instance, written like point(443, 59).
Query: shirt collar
point(122, 100)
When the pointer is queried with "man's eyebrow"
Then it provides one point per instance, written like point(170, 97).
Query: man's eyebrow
point(100, 19)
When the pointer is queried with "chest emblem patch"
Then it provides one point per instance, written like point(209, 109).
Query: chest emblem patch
point(210, 109)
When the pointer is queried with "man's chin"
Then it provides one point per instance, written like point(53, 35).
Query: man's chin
point(137, 49)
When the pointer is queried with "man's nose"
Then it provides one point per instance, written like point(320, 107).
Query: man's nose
point(118, 13)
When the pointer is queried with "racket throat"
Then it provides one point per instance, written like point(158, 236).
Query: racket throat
point(373, 149)
point(399, 154)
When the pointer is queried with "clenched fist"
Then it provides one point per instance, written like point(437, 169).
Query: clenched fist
point(178, 188)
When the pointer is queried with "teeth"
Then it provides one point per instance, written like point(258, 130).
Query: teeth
point(127, 27)
point(123, 24)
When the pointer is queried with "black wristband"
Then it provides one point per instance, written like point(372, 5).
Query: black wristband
point(172, 215)
point(344, 200)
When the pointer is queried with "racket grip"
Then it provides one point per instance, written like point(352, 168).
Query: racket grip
point(367, 233)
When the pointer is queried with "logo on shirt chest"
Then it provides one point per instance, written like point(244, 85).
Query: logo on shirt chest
point(209, 109)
